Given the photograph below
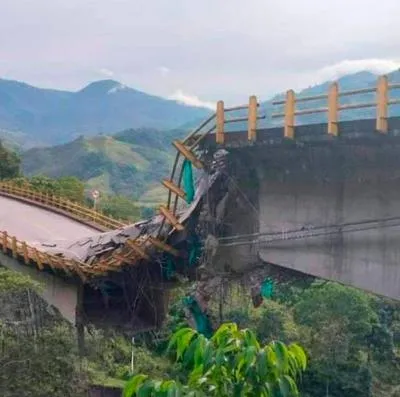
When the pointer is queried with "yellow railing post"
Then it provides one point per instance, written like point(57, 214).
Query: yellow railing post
point(252, 119)
point(5, 242)
point(220, 121)
point(290, 106)
point(333, 109)
point(14, 246)
point(25, 252)
point(37, 259)
point(382, 97)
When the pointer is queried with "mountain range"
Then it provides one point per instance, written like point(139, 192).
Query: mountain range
point(46, 116)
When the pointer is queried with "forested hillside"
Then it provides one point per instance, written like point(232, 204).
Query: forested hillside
point(130, 163)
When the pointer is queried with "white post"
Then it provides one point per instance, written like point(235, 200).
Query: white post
point(95, 196)
point(132, 358)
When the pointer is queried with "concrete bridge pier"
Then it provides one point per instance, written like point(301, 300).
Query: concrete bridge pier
point(349, 191)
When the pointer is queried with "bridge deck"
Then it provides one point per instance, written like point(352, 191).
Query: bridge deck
point(34, 224)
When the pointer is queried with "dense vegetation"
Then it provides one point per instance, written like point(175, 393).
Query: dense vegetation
point(351, 339)
point(230, 363)
point(38, 350)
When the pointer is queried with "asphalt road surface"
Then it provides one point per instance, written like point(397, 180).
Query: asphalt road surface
point(34, 224)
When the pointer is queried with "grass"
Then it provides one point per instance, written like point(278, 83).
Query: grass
point(118, 152)
point(156, 194)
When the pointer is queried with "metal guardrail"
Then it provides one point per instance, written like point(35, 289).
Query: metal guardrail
point(75, 210)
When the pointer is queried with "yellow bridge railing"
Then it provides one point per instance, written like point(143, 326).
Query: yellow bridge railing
point(29, 255)
point(332, 108)
point(58, 204)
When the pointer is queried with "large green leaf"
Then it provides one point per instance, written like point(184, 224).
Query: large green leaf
point(177, 336)
point(133, 385)
point(183, 342)
point(299, 354)
point(287, 387)
point(282, 356)
point(145, 390)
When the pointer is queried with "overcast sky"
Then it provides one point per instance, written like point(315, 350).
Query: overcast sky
point(201, 50)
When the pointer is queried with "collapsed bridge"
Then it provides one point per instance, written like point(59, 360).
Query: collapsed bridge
point(320, 199)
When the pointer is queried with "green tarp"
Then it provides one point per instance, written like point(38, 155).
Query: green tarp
point(267, 288)
point(188, 182)
point(203, 324)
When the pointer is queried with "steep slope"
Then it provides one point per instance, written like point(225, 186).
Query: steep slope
point(51, 116)
point(129, 163)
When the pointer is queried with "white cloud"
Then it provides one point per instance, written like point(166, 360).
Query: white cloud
point(191, 100)
point(118, 87)
point(377, 66)
point(106, 72)
point(163, 70)
point(184, 46)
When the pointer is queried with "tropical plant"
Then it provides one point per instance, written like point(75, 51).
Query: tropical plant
point(231, 363)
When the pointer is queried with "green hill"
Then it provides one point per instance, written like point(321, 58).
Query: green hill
point(131, 162)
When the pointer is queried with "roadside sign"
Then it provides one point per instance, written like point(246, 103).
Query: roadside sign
point(95, 194)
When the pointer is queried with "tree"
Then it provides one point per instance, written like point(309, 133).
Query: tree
point(231, 363)
point(72, 188)
point(339, 321)
point(120, 207)
point(9, 163)
point(38, 356)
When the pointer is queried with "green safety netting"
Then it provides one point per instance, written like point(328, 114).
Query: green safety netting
point(203, 324)
point(188, 182)
point(267, 288)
